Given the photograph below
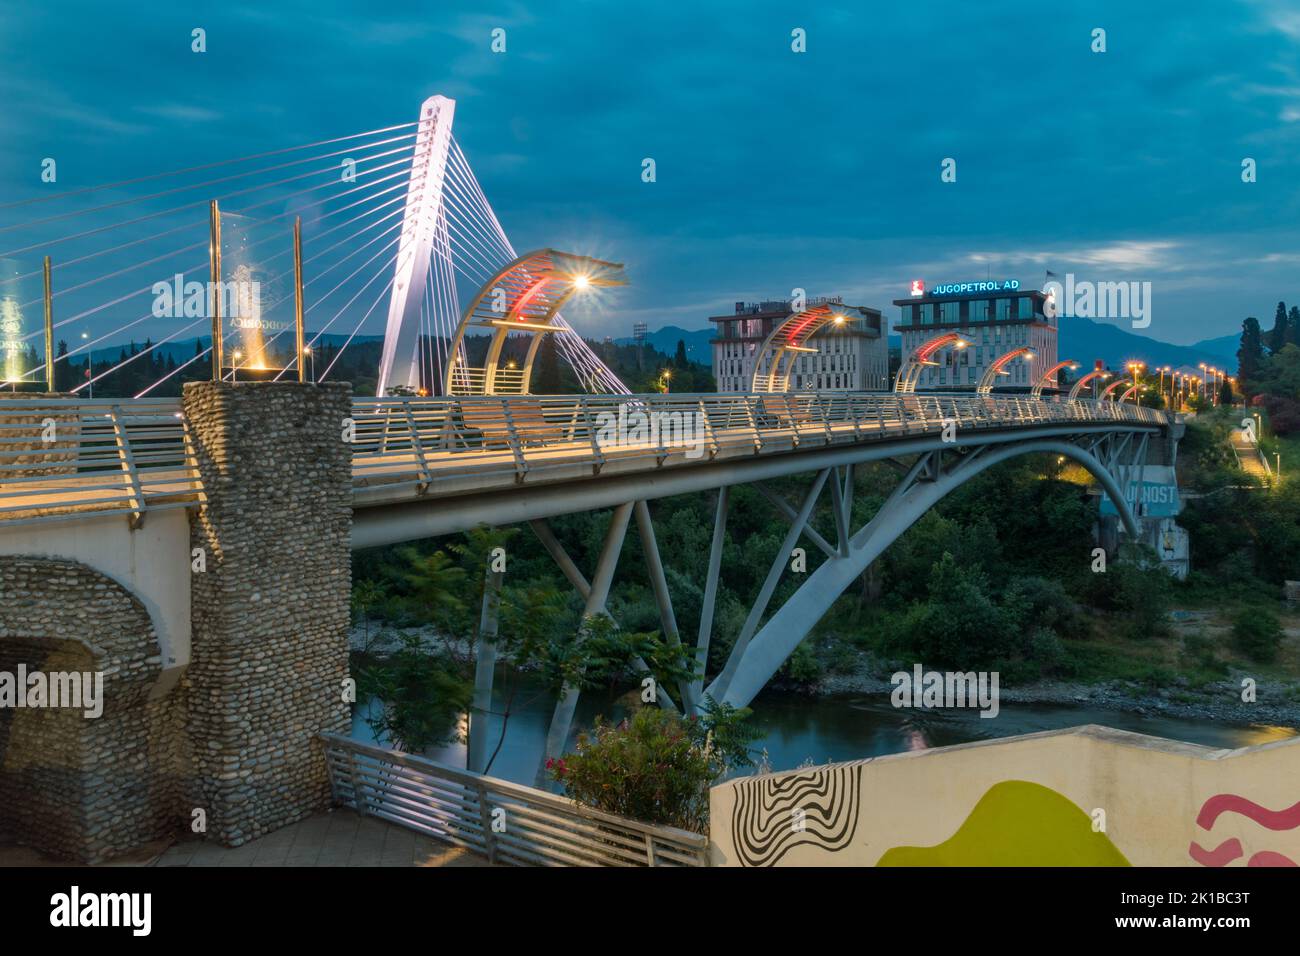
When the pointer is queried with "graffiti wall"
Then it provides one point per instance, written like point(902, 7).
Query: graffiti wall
point(1087, 796)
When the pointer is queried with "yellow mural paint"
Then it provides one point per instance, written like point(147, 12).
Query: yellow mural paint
point(1016, 823)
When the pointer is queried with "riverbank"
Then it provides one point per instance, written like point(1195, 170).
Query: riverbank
point(1276, 702)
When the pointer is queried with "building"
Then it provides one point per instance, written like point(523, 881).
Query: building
point(994, 317)
point(850, 355)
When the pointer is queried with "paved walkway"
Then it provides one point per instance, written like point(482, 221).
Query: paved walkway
point(337, 838)
point(1248, 455)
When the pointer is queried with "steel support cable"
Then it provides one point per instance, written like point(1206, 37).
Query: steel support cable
point(574, 348)
point(194, 205)
point(356, 234)
point(203, 185)
point(141, 291)
point(317, 337)
point(65, 264)
point(307, 308)
point(192, 169)
point(342, 348)
point(90, 345)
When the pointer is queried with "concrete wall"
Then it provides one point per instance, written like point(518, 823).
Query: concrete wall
point(270, 613)
point(1029, 800)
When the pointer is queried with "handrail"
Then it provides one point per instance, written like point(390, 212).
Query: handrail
point(506, 822)
point(529, 436)
point(61, 457)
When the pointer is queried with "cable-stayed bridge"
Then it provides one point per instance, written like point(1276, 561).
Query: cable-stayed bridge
point(224, 520)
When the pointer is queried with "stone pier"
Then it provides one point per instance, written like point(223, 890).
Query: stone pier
point(270, 610)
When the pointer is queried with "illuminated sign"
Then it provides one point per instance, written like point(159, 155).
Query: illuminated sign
point(968, 288)
point(918, 287)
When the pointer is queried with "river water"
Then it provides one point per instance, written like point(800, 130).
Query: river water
point(797, 729)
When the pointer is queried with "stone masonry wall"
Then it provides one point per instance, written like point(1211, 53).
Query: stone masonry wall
point(270, 613)
point(76, 787)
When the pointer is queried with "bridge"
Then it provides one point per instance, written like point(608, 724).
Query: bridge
point(198, 549)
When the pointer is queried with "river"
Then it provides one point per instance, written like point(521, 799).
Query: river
point(798, 728)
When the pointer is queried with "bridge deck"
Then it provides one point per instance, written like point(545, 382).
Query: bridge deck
point(61, 458)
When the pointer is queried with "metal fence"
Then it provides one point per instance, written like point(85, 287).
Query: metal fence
point(416, 440)
point(503, 821)
point(61, 457)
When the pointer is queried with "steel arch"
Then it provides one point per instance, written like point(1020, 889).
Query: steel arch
point(535, 286)
point(753, 663)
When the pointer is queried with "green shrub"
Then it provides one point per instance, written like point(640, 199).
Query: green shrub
point(1257, 633)
point(649, 767)
point(803, 667)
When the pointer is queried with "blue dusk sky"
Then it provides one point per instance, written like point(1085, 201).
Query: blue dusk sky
point(775, 169)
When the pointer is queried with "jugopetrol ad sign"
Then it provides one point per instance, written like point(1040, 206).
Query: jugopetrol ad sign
point(1159, 494)
point(974, 288)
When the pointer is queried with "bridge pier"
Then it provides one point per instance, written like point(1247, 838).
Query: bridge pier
point(270, 612)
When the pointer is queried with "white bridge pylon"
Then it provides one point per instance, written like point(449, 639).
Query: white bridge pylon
point(424, 218)
point(449, 230)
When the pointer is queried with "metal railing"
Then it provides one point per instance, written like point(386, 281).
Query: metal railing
point(505, 822)
point(61, 457)
point(415, 440)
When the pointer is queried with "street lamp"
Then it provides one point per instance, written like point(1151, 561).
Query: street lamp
point(234, 369)
point(307, 351)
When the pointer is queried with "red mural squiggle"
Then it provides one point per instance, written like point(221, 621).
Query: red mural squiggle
point(1287, 819)
point(1230, 850)
point(1221, 855)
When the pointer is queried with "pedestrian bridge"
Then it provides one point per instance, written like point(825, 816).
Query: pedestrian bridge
point(451, 463)
point(211, 537)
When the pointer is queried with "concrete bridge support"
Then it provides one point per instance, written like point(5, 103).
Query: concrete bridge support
point(270, 612)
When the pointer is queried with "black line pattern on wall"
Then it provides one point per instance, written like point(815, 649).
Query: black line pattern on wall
point(764, 823)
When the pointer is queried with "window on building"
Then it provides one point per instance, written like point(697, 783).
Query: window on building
point(950, 312)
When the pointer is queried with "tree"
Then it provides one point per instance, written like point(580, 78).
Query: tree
point(679, 359)
point(1277, 337)
point(546, 374)
point(1225, 393)
point(1293, 326)
point(1251, 353)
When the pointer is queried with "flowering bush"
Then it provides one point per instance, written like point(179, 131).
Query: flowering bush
point(649, 767)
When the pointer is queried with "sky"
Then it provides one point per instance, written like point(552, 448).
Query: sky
point(774, 169)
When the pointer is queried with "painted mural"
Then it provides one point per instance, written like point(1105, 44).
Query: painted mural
point(1231, 849)
point(1083, 797)
point(775, 813)
point(1017, 823)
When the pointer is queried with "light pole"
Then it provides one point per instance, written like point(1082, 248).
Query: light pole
point(307, 351)
point(234, 369)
